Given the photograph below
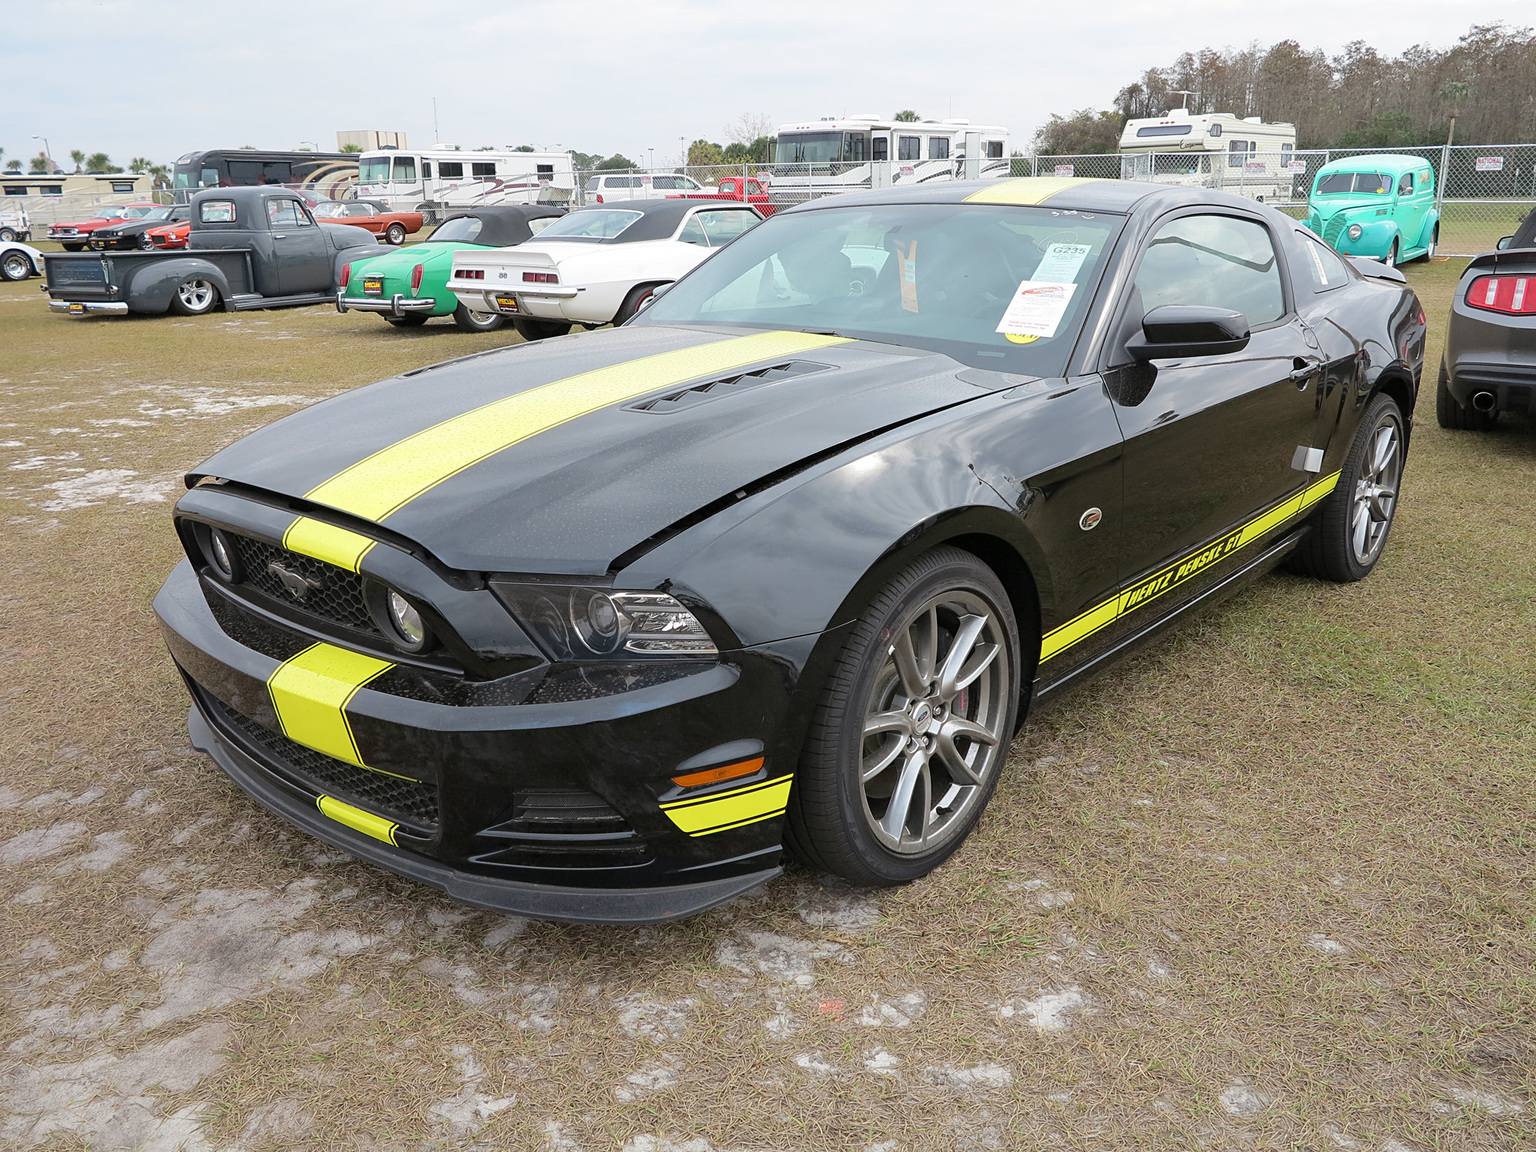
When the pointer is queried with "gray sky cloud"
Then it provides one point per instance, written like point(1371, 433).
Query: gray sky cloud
point(135, 78)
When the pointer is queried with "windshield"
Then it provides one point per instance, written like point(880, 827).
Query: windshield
point(330, 211)
point(373, 170)
point(993, 286)
point(1369, 183)
point(590, 224)
point(821, 147)
point(464, 228)
point(157, 214)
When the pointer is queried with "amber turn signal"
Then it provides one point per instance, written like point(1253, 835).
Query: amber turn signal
point(715, 775)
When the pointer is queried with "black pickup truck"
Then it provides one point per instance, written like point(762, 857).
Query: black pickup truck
point(257, 247)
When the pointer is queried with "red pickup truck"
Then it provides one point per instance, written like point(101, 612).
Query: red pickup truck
point(747, 188)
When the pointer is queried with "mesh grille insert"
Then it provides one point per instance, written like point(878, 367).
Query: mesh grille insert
point(334, 593)
point(409, 802)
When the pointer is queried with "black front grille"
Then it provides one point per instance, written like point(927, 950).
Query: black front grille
point(331, 593)
point(409, 802)
point(564, 828)
point(562, 812)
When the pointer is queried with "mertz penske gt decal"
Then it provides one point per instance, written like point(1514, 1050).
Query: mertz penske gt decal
point(1079, 628)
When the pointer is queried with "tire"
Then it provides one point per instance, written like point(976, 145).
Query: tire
point(7, 235)
point(194, 298)
point(1390, 259)
point(15, 266)
point(846, 814)
point(1350, 528)
point(74, 247)
point(409, 320)
point(1452, 414)
point(146, 242)
point(539, 329)
point(633, 301)
point(1434, 243)
point(478, 321)
point(395, 234)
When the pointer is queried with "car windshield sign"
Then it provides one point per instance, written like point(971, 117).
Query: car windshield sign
point(1366, 183)
point(993, 286)
point(597, 224)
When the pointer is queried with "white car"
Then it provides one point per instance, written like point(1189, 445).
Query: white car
point(596, 265)
point(15, 225)
point(602, 188)
point(18, 261)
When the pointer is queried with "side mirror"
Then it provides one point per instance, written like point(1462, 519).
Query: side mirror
point(1504, 242)
point(1178, 330)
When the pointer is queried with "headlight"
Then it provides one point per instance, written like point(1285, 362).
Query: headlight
point(586, 623)
point(1354, 231)
point(219, 552)
point(397, 618)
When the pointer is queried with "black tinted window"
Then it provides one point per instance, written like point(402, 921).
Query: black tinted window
point(1219, 261)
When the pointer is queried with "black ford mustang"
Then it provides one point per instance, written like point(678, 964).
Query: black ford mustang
point(595, 628)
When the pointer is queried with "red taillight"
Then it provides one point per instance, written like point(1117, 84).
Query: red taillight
point(540, 278)
point(346, 274)
point(468, 273)
point(599, 197)
point(1512, 295)
point(416, 278)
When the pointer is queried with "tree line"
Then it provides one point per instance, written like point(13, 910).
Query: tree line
point(1485, 83)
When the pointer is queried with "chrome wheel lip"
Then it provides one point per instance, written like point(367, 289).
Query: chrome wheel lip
point(932, 736)
point(1376, 489)
point(17, 260)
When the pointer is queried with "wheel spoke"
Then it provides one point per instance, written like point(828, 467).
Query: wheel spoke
point(1361, 528)
point(913, 682)
point(949, 752)
point(874, 766)
point(960, 649)
point(1385, 448)
point(900, 805)
point(889, 722)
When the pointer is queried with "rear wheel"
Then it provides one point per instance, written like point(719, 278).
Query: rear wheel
point(194, 298)
point(1350, 528)
point(633, 302)
point(477, 321)
point(539, 329)
point(15, 266)
point(1458, 417)
point(409, 320)
point(6, 235)
point(395, 234)
point(913, 725)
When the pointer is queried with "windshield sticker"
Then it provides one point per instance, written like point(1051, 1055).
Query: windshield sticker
point(1036, 308)
point(1061, 262)
point(908, 260)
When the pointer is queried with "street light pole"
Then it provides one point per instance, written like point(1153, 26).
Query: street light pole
point(47, 151)
point(652, 164)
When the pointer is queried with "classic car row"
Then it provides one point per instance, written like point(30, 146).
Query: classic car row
point(597, 629)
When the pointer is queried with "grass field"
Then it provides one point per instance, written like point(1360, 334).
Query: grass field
point(1266, 885)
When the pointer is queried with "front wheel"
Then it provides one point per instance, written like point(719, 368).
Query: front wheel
point(1390, 259)
point(15, 266)
point(913, 725)
point(1350, 528)
point(194, 298)
point(6, 235)
point(1434, 242)
point(146, 242)
point(477, 321)
point(395, 234)
point(74, 247)
point(539, 329)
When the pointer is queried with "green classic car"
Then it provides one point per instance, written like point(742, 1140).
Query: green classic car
point(409, 286)
point(1380, 206)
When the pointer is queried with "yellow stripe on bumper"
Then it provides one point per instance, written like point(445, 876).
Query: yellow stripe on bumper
point(709, 814)
point(365, 822)
point(1145, 591)
point(310, 693)
point(338, 546)
point(1027, 190)
point(392, 477)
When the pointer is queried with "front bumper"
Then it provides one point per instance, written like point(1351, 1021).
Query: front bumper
point(82, 307)
point(396, 305)
point(476, 768)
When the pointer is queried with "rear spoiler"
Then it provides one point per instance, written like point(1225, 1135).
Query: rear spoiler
point(1368, 267)
point(1523, 258)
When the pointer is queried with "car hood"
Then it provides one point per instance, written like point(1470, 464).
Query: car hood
point(94, 222)
point(540, 457)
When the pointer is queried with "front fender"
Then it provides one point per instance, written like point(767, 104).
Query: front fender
point(155, 282)
point(1431, 226)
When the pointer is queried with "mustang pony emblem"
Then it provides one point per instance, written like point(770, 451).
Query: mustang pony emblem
point(296, 584)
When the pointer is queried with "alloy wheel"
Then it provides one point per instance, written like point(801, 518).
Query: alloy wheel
point(17, 266)
point(196, 295)
point(1376, 490)
point(933, 724)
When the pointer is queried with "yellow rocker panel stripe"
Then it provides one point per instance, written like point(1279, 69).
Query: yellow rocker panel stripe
point(716, 813)
point(338, 546)
point(365, 822)
point(1080, 627)
point(392, 477)
point(1027, 190)
point(310, 693)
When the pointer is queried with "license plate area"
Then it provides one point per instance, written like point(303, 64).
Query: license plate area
point(373, 285)
point(508, 304)
point(77, 309)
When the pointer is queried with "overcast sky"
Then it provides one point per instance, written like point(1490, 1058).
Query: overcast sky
point(159, 79)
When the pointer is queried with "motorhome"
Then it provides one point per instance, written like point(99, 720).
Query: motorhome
point(820, 157)
point(1214, 150)
point(438, 181)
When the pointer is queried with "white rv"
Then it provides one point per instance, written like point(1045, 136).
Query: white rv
point(1216, 150)
point(820, 157)
point(438, 181)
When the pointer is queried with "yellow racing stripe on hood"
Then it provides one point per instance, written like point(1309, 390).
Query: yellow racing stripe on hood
point(338, 546)
point(394, 476)
point(1027, 190)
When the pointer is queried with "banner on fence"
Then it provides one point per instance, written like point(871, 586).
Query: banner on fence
point(1490, 163)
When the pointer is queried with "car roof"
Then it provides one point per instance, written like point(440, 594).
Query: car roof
point(1069, 193)
point(1375, 162)
point(660, 217)
point(503, 225)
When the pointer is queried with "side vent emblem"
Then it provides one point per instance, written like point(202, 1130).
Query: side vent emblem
point(1089, 520)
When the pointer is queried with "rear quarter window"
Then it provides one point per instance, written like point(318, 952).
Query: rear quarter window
point(216, 212)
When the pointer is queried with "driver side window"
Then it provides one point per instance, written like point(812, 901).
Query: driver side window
point(283, 213)
point(1220, 261)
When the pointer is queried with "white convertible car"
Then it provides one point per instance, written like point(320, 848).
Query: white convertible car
point(18, 261)
point(596, 265)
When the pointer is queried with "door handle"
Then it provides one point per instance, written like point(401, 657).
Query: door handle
point(1303, 371)
point(279, 235)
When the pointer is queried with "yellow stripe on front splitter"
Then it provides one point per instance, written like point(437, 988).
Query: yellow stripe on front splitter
point(365, 822)
point(1027, 190)
point(710, 814)
point(310, 693)
point(392, 477)
point(1145, 591)
point(339, 546)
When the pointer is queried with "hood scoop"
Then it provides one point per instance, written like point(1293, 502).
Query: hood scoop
point(696, 394)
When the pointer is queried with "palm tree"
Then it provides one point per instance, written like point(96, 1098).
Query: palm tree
point(905, 116)
point(138, 164)
point(159, 174)
point(78, 157)
point(1454, 93)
